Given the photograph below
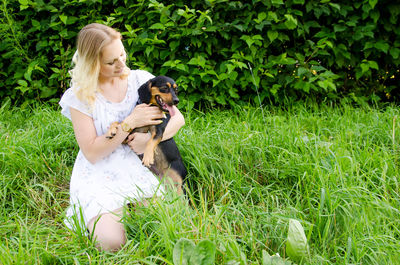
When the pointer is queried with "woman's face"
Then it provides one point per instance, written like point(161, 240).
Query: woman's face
point(112, 59)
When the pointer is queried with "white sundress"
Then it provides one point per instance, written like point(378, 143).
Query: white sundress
point(111, 182)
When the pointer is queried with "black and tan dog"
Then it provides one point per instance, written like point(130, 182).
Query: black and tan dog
point(162, 158)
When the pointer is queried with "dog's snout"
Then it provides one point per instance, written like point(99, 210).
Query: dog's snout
point(176, 101)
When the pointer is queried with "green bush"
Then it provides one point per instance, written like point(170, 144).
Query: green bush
point(295, 48)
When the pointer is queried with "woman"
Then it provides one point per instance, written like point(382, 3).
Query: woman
point(107, 173)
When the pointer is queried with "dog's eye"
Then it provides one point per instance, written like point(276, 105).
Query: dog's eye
point(163, 90)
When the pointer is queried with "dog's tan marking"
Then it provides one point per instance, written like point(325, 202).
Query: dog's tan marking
point(148, 155)
point(173, 177)
point(112, 131)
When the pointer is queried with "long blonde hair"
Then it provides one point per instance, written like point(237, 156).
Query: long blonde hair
point(85, 73)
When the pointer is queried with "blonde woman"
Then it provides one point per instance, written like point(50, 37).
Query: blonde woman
point(106, 173)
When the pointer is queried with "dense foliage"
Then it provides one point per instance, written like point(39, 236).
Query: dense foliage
point(296, 48)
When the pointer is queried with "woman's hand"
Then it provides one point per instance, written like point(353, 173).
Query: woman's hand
point(137, 142)
point(143, 115)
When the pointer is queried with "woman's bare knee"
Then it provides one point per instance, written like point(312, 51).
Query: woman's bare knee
point(108, 231)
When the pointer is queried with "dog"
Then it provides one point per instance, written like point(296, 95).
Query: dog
point(161, 157)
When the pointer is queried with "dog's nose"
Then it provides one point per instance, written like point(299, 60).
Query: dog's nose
point(176, 101)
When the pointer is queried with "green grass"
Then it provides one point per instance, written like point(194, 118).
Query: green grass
point(335, 169)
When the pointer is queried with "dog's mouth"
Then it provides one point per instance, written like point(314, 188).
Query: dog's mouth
point(164, 106)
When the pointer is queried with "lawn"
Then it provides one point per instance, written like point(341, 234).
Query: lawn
point(334, 169)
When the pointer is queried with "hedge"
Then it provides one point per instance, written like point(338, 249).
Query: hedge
point(220, 52)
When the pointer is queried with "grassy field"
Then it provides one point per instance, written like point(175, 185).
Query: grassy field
point(336, 170)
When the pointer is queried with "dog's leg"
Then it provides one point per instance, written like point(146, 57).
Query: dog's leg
point(157, 133)
point(148, 155)
point(112, 131)
point(175, 179)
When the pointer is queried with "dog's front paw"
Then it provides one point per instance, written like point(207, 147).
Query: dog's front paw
point(112, 131)
point(148, 158)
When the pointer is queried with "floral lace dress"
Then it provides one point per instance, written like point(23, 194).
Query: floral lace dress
point(111, 182)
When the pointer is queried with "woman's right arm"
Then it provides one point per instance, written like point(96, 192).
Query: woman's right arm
point(96, 147)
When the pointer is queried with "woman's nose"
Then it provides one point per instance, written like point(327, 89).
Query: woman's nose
point(121, 61)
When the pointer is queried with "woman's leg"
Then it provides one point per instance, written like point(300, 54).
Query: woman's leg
point(108, 231)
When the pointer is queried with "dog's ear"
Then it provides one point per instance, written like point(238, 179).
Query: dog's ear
point(144, 92)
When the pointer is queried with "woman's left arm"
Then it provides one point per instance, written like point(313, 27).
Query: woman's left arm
point(175, 123)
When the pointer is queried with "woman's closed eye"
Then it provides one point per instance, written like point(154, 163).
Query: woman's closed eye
point(122, 57)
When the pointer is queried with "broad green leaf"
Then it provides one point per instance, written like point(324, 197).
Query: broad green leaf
point(248, 40)
point(373, 65)
point(203, 254)
point(273, 16)
point(339, 28)
point(277, 2)
point(36, 24)
point(372, 3)
point(63, 18)
point(157, 26)
point(359, 73)
point(291, 22)
point(27, 74)
point(230, 68)
point(23, 89)
point(47, 92)
point(23, 4)
point(272, 35)
point(149, 49)
point(215, 82)
point(233, 76)
point(193, 61)
point(240, 27)
point(275, 88)
point(273, 260)
point(301, 71)
point(174, 44)
point(182, 67)
point(233, 92)
point(199, 60)
point(183, 251)
point(288, 61)
point(369, 45)
point(22, 83)
point(382, 46)
point(56, 70)
point(71, 20)
point(261, 16)
point(364, 68)
point(300, 57)
point(395, 52)
point(296, 244)
point(266, 258)
point(168, 64)
point(336, 6)
point(324, 85)
point(375, 15)
point(223, 76)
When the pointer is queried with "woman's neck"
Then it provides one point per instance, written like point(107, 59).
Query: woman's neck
point(113, 89)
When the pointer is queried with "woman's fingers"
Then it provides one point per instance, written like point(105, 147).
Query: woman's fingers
point(138, 144)
point(131, 137)
point(143, 115)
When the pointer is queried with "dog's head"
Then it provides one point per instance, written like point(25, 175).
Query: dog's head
point(160, 91)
